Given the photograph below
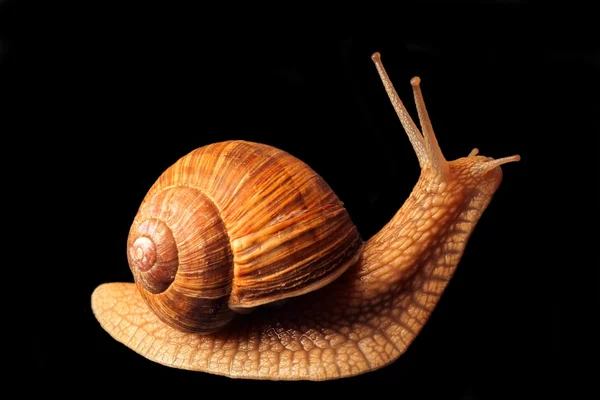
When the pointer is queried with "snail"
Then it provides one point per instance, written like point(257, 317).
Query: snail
point(234, 229)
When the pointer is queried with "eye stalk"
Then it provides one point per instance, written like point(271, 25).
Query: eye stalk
point(424, 143)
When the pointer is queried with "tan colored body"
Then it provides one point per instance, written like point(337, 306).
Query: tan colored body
point(362, 321)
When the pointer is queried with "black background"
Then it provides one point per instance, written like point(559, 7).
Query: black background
point(126, 90)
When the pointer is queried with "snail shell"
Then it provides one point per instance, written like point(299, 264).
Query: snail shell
point(232, 226)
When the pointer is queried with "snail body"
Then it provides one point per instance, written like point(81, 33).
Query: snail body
point(236, 225)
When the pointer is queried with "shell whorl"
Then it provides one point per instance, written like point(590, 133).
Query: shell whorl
point(153, 255)
point(232, 226)
point(181, 259)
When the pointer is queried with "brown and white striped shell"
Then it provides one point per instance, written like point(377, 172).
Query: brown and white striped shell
point(232, 226)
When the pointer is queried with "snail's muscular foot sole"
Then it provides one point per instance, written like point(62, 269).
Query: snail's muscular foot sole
point(315, 344)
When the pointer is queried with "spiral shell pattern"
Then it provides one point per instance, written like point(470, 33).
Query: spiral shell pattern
point(234, 225)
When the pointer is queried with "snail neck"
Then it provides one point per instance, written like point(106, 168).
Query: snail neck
point(427, 236)
point(412, 236)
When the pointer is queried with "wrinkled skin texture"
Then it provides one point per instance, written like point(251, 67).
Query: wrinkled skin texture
point(366, 318)
point(361, 322)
